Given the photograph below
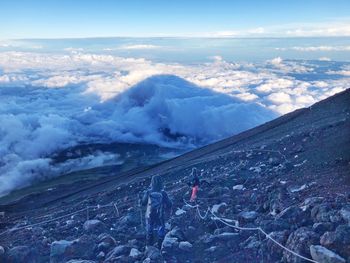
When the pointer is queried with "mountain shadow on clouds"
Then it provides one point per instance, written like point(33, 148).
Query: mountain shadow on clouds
point(167, 108)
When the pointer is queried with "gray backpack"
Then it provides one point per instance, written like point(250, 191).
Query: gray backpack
point(155, 202)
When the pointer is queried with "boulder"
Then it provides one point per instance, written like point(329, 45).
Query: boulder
point(345, 213)
point(238, 187)
point(320, 228)
point(94, 226)
point(21, 254)
point(227, 236)
point(130, 220)
point(273, 161)
point(338, 240)
point(135, 253)
point(215, 252)
point(185, 246)
point(2, 253)
point(325, 213)
point(293, 215)
point(80, 261)
point(63, 250)
point(247, 216)
point(300, 241)
point(118, 251)
point(106, 242)
point(218, 208)
point(276, 252)
point(153, 254)
point(324, 255)
point(275, 225)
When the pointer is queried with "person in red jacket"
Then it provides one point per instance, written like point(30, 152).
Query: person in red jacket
point(194, 183)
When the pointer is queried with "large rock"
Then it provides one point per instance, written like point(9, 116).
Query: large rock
point(293, 215)
point(135, 253)
point(132, 219)
point(276, 252)
point(105, 242)
point(214, 253)
point(345, 213)
point(22, 254)
point(153, 254)
point(63, 250)
point(338, 240)
point(320, 228)
point(80, 261)
point(247, 216)
point(2, 254)
point(324, 255)
point(185, 246)
point(325, 213)
point(300, 241)
point(94, 226)
point(118, 251)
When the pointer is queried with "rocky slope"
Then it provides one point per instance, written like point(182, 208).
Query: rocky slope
point(291, 177)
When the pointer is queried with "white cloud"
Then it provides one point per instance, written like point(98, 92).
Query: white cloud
point(73, 49)
point(320, 30)
point(324, 59)
point(52, 101)
point(139, 46)
point(321, 48)
point(279, 98)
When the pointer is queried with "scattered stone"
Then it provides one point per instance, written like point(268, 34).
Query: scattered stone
point(338, 240)
point(296, 189)
point(218, 208)
point(273, 161)
point(293, 215)
point(94, 226)
point(247, 216)
point(238, 187)
point(325, 213)
point(185, 246)
point(320, 228)
point(275, 250)
point(106, 242)
point(135, 253)
point(80, 261)
point(116, 252)
point(324, 255)
point(345, 213)
point(153, 254)
point(300, 241)
point(255, 169)
point(101, 255)
point(227, 236)
point(63, 250)
point(22, 254)
point(180, 212)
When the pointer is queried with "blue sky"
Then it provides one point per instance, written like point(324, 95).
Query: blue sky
point(137, 18)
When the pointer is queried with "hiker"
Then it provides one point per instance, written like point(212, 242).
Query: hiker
point(194, 183)
point(157, 201)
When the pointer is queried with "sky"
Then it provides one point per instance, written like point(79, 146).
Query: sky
point(21, 19)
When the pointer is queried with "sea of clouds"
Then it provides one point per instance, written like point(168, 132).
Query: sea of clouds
point(51, 101)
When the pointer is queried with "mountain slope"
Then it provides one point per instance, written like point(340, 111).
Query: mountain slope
point(290, 176)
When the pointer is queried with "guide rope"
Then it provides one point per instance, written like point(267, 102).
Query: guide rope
point(236, 226)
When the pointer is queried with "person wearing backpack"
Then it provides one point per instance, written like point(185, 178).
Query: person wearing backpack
point(157, 202)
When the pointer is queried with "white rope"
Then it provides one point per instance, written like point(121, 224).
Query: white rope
point(223, 220)
point(56, 218)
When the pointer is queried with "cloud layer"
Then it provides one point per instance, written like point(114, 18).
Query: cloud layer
point(49, 102)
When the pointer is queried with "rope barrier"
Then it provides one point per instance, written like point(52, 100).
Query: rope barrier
point(60, 217)
point(224, 221)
